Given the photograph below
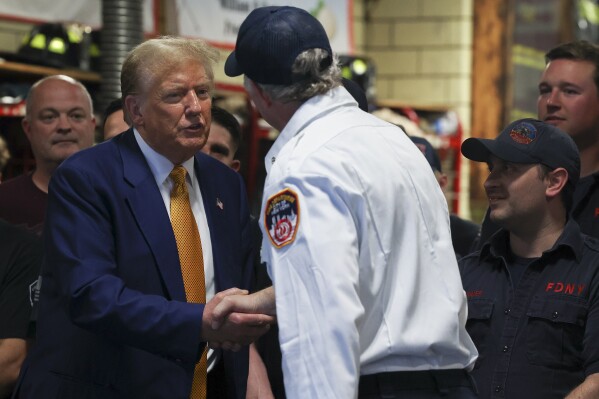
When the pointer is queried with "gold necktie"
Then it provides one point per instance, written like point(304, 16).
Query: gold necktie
point(191, 260)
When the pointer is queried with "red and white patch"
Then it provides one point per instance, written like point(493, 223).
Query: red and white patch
point(524, 133)
point(281, 217)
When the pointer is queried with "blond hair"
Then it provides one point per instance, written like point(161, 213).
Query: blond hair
point(155, 57)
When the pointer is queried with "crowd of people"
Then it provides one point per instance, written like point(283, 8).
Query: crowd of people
point(134, 269)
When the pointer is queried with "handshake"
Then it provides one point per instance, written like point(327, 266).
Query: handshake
point(234, 318)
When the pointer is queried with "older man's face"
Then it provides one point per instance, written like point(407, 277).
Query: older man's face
point(59, 122)
point(173, 111)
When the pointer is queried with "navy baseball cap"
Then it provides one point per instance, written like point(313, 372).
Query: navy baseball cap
point(269, 41)
point(429, 152)
point(528, 141)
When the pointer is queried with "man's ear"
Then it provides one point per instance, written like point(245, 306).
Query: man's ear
point(442, 179)
point(557, 180)
point(26, 127)
point(132, 106)
point(236, 165)
point(263, 95)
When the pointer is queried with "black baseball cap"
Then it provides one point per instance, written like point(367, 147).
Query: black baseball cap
point(269, 41)
point(428, 151)
point(528, 141)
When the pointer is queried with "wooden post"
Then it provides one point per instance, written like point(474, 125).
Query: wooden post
point(490, 88)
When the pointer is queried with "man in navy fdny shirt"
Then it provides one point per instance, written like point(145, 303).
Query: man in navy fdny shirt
point(533, 300)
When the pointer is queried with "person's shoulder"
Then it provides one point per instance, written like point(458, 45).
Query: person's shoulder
point(211, 162)
point(216, 173)
point(462, 227)
point(471, 258)
point(588, 258)
point(16, 234)
point(462, 222)
point(334, 135)
point(591, 243)
point(14, 191)
point(471, 262)
point(7, 229)
point(100, 166)
point(206, 162)
point(15, 182)
point(99, 157)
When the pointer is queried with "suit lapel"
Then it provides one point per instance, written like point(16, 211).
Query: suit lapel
point(146, 205)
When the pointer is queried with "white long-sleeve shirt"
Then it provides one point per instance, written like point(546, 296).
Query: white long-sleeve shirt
point(357, 242)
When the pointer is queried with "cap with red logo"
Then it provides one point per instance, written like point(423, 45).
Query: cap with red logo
point(528, 141)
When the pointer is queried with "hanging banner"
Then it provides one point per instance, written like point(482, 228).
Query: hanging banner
point(81, 11)
point(218, 21)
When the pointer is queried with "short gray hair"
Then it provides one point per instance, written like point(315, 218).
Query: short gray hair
point(312, 79)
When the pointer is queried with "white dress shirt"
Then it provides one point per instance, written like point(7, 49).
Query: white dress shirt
point(161, 168)
point(365, 276)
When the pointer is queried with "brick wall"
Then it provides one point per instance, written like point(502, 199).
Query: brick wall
point(422, 50)
point(423, 54)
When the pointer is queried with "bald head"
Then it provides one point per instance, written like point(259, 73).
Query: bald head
point(59, 121)
point(32, 95)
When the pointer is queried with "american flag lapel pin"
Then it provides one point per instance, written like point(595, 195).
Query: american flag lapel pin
point(219, 203)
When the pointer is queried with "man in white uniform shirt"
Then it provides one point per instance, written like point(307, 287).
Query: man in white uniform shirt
point(356, 231)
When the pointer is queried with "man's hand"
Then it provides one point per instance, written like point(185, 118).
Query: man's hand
point(232, 330)
point(261, 302)
point(589, 389)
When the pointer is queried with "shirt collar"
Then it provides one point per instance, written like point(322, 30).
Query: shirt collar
point(571, 240)
point(160, 166)
point(311, 109)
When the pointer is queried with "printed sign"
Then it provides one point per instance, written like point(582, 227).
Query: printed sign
point(218, 21)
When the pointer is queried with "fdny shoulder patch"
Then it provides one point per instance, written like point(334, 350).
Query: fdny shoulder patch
point(281, 217)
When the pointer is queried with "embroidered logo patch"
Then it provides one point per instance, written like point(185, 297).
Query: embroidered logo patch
point(281, 217)
point(523, 133)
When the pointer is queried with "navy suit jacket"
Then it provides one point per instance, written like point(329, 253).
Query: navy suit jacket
point(113, 321)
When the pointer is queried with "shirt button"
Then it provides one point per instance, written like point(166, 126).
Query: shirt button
point(507, 311)
point(555, 315)
point(505, 349)
point(497, 388)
